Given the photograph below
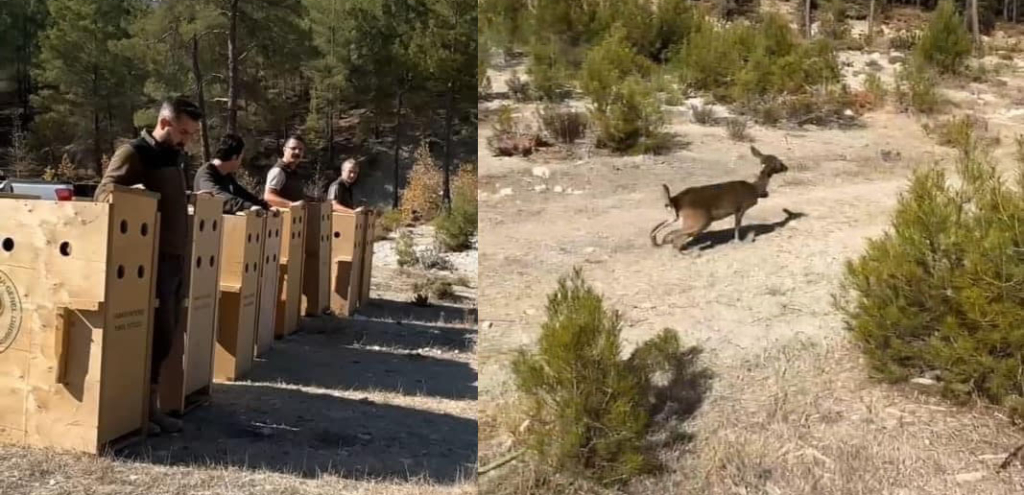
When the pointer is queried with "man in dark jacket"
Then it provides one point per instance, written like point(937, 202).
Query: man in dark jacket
point(155, 160)
point(340, 191)
point(218, 177)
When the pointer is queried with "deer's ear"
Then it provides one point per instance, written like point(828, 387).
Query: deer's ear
point(755, 152)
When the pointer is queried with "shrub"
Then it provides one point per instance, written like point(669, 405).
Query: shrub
point(564, 123)
point(1018, 141)
point(387, 222)
point(941, 290)
point(946, 43)
point(421, 200)
point(833, 24)
point(64, 172)
point(405, 250)
point(548, 71)
point(961, 132)
point(702, 114)
point(916, 88)
point(590, 411)
point(875, 87)
point(905, 40)
point(633, 120)
point(436, 287)
point(483, 81)
point(607, 65)
point(518, 89)
point(456, 227)
point(737, 129)
point(431, 259)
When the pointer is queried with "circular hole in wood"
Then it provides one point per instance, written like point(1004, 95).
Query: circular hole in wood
point(214, 226)
point(249, 239)
point(124, 226)
point(257, 238)
point(275, 258)
point(246, 268)
point(65, 248)
point(293, 236)
point(141, 272)
point(211, 261)
point(144, 229)
point(199, 261)
point(8, 244)
point(337, 235)
point(268, 260)
point(120, 271)
point(202, 225)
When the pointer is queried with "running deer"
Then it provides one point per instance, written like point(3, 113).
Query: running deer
point(701, 205)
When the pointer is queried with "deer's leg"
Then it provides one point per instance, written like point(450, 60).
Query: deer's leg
point(693, 225)
point(739, 223)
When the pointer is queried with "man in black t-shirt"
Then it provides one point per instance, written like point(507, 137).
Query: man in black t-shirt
point(218, 177)
point(340, 191)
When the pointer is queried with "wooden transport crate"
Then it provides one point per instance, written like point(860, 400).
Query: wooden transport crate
point(366, 265)
point(76, 320)
point(346, 262)
point(270, 269)
point(239, 291)
point(316, 276)
point(293, 254)
point(187, 374)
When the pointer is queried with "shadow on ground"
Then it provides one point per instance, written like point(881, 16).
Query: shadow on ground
point(329, 360)
point(396, 310)
point(288, 431)
point(716, 238)
point(257, 424)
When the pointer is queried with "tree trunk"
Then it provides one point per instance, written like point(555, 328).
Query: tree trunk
point(1015, 2)
point(871, 22)
point(1006, 10)
point(398, 147)
point(197, 74)
point(807, 17)
point(974, 27)
point(233, 69)
point(96, 147)
point(448, 110)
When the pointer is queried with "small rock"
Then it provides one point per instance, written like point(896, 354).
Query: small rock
point(542, 172)
point(933, 375)
point(577, 192)
point(524, 426)
point(540, 188)
point(505, 192)
point(558, 189)
point(924, 382)
point(488, 325)
point(969, 477)
point(590, 250)
point(530, 312)
point(849, 113)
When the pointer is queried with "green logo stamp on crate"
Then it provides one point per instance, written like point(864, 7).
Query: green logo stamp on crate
point(10, 312)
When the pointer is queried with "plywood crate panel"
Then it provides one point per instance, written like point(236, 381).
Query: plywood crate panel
point(187, 373)
point(346, 261)
point(76, 315)
point(270, 269)
point(239, 289)
point(366, 264)
point(316, 277)
point(293, 254)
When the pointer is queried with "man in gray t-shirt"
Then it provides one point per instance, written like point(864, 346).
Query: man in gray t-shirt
point(284, 188)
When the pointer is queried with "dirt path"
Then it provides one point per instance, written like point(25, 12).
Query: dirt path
point(761, 309)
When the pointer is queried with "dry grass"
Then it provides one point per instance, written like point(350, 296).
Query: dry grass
point(47, 473)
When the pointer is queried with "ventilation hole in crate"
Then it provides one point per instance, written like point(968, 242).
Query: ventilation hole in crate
point(337, 235)
point(249, 241)
point(277, 233)
point(214, 226)
point(199, 261)
point(202, 225)
point(275, 258)
point(293, 236)
point(141, 272)
point(120, 271)
point(211, 261)
point(124, 226)
point(65, 248)
point(257, 238)
point(246, 268)
point(145, 229)
point(268, 260)
point(8, 244)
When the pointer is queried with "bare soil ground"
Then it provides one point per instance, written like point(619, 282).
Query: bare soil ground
point(381, 403)
point(791, 409)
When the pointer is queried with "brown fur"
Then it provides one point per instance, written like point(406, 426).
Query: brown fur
point(699, 206)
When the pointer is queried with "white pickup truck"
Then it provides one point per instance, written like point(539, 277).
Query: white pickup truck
point(44, 190)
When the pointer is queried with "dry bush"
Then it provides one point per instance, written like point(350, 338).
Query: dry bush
point(566, 124)
point(438, 288)
point(386, 223)
point(405, 250)
point(518, 88)
point(511, 138)
point(961, 131)
point(63, 172)
point(737, 129)
point(702, 114)
point(421, 200)
point(916, 89)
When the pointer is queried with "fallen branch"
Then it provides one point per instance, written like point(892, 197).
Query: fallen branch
point(501, 462)
point(1010, 457)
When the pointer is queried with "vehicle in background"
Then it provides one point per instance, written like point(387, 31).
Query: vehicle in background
point(59, 191)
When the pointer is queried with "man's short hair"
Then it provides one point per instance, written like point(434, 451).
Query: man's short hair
point(230, 146)
point(176, 107)
point(295, 137)
point(352, 162)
